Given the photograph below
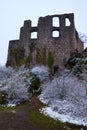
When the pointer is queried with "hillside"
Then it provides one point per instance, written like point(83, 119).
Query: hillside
point(64, 95)
point(67, 94)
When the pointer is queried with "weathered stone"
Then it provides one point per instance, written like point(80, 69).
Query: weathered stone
point(61, 46)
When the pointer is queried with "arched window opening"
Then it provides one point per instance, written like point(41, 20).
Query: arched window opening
point(67, 22)
point(55, 34)
point(56, 22)
point(34, 35)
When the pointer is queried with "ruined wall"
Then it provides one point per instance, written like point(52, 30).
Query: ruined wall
point(46, 48)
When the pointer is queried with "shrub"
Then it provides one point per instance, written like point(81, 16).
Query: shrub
point(2, 98)
point(35, 84)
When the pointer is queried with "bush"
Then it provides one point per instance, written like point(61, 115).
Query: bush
point(2, 98)
point(35, 84)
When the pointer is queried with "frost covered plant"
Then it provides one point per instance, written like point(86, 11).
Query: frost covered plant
point(15, 84)
point(66, 95)
point(41, 72)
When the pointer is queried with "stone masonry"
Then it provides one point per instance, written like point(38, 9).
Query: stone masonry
point(45, 48)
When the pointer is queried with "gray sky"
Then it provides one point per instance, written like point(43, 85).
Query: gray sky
point(14, 12)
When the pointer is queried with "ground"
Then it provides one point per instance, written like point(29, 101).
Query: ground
point(27, 117)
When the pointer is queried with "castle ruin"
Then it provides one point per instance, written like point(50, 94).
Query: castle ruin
point(46, 48)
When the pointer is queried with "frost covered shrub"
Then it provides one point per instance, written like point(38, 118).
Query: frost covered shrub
point(5, 73)
point(78, 64)
point(41, 72)
point(39, 75)
point(16, 83)
point(66, 95)
point(80, 70)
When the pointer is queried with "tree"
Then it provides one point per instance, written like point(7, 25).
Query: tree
point(83, 37)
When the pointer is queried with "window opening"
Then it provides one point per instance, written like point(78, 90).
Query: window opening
point(56, 22)
point(67, 22)
point(55, 34)
point(34, 35)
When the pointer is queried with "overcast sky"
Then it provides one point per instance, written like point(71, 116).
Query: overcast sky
point(14, 12)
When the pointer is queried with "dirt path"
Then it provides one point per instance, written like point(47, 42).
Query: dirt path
point(19, 118)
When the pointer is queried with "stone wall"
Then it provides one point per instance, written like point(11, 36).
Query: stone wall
point(47, 48)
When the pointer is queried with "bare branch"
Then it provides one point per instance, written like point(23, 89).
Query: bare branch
point(83, 37)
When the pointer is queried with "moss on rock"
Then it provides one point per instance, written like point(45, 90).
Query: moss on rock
point(50, 59)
